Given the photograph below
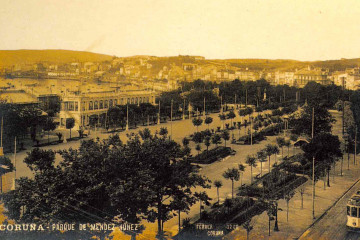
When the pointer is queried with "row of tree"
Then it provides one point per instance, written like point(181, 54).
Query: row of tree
point(149, 178)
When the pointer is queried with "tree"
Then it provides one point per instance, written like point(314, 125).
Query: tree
point(145, 134)
point(287, 144)
point(216, 139)
point(238, 124)
point(155, 174)
point(302, 192)
point(208, 121)
point(5, 167)
point(198, 148)
point(303, 123)
point(197, 122)
point(49, 126)
point(275, 151)
point(202, 198)
point(222, 118)
point(233, 175)
point(59, 135)
point(269, 149)
point(198, 137)
point(281, 143)
point(251, 161)
point(261, 156)
point(241, 172)
point(226, 136)
point(248, 227)
point(70, 123)
point(185, 141)
point(207, 142)
point(325, 148)
point(163, 132)
point(218, 184)
point(288, 197)
point(231, 115)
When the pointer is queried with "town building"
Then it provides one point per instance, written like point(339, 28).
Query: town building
point(81, 106)
point(306, 75)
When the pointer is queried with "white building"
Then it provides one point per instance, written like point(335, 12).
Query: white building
point(80, 106)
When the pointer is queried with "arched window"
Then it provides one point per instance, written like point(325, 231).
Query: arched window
point(110, 103)
point(140, 100)
point(101, 105)
point(91, 106)
point(115, 102)
point(136, 100)
point(96, 106)
point(132, 100)
point(106, 103)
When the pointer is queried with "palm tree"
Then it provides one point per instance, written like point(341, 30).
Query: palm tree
point(218, 184)
point(222, 118)
point(225, 136)
point(288, 197)
point(239, 127)
point(281, 143)
point(216, 139)
point(198, 148)
point(251, 161)
point(233, 175)
point(241, 171)
point(207, 142)
point(269, 151)
point(248, 227)
point(197, 122)
point(287, 144)
point(208, 121)
point(261, 156)
point(231, 115)
point(275, 152)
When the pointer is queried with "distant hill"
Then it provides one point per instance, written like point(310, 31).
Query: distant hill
point(12, 57)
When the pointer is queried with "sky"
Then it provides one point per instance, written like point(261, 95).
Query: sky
point(267, 29)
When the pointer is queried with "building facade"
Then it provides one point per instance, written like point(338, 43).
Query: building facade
point(81, 106)
point(306, 75)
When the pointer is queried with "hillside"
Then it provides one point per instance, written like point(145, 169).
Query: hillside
point(12, 57)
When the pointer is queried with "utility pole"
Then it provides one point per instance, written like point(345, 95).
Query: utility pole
point(1, 146)
point(313, 192)
point(246, 98)
point(14, 184)
point(204, 108)
point(221, 110)
point(235, 102)
point(312, 124)
point(183, 117)
point(159, 114)
point(251, 135)
point(355, 145)
point(171, 118)
point(343, 105)
point(313, 167)
point(127, 117)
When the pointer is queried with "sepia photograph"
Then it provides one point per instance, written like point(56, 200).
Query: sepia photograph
point(179, 119)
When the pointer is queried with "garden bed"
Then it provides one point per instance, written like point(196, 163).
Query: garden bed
point(208, 157)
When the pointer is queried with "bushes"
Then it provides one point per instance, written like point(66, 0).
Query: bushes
point(212, 155)
point(226, 212)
